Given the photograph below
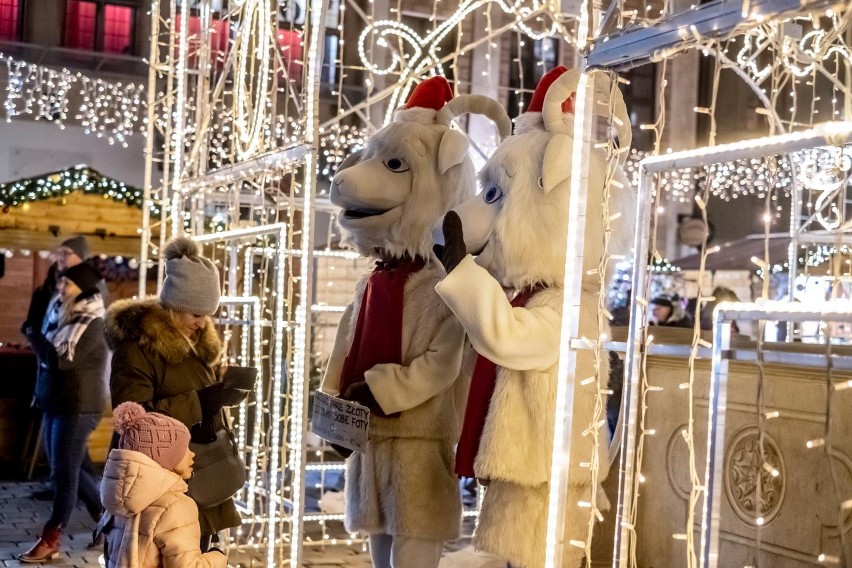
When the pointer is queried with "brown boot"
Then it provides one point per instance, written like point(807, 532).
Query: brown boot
point(47, 547)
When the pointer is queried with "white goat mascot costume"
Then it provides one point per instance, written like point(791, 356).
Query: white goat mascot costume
point(399, 348)
point(519, 223)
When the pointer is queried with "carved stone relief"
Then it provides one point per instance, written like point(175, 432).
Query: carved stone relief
point(754, 483)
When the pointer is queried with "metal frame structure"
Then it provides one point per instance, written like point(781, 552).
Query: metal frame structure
point(723, 315)
point(827, 134)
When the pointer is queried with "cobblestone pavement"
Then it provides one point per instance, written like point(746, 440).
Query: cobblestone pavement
point(22, 518)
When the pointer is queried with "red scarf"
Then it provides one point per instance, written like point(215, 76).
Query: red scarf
point(378, 332)
point(482, 385)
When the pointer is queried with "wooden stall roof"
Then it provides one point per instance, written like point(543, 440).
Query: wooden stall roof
point(736, 255)
point(37, 213)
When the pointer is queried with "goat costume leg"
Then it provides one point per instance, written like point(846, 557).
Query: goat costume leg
point(404, 487)
point(513, 524)
point(388, 551)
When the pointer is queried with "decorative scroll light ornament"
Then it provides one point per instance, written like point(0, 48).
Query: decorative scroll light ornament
point(111, 110)
point(423, 57)
point(802, 57)
point(253, 47)
point(825, 174)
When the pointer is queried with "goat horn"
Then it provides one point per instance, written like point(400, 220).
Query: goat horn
point(476, 104)
point(609, 102)
point(612, 106)
point(559, 90)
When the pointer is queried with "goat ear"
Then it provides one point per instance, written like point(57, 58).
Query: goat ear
point(556, 168)
point(452, 150)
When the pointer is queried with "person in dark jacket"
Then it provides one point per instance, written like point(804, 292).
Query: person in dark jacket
point(165, 355)
point(45, 298)
point(70, 390)
point(666, 310)
point(70, 253)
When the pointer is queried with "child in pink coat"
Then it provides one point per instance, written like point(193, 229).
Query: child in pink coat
point(150, 521)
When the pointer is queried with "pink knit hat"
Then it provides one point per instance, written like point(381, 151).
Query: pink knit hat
point(163, 439)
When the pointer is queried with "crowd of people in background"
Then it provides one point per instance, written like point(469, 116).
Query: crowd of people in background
point(166, 390)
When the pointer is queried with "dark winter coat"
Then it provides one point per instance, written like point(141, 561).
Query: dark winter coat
point(72, 387)
point(39, 302)
point(154, 364)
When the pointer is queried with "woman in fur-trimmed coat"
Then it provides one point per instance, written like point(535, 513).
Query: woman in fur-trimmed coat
point(165, 351)
point(154, 365)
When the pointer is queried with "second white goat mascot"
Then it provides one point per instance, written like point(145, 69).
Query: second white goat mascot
point(519, 226)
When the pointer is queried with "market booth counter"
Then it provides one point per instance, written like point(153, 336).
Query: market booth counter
point(786, 489)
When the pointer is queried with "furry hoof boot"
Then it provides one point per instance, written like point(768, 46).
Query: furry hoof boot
point(46, 549)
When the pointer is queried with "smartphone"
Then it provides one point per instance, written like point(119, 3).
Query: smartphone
point(240, 378)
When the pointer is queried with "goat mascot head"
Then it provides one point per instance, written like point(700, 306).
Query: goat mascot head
point(411, 173)
point(518, 223)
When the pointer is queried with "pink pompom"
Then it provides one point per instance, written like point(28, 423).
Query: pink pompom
point(126, 415)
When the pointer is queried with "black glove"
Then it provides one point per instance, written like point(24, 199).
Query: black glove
point(343, 452)
point(360, 392)
point(453, 250)
point(216, 396)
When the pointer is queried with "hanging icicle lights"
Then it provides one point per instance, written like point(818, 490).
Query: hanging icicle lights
point(114, 111)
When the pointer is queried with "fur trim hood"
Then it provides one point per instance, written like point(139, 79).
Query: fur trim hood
point(150, 324)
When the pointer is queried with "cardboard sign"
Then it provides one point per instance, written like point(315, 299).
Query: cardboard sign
point(340, 422)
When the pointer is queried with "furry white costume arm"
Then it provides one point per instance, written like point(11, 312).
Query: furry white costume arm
point(331, 378)
point(400, 387)
point(516, 338)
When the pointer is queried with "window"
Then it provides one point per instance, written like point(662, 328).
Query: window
point(529, 60)
point(219, 40)
point(95, 25)
point(9, 20)
point(640, 97)
point(118, 29)
point(80, 24)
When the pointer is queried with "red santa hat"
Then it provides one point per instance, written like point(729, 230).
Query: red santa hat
point(537, 101)
point(432, 93)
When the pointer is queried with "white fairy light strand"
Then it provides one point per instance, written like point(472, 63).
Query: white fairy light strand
point(114, 111)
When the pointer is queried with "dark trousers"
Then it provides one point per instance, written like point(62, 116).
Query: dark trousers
point(66, 438)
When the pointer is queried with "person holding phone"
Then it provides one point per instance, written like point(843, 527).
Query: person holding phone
point(166, 353)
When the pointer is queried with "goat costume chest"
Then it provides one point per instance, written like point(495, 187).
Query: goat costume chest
point(404, 484)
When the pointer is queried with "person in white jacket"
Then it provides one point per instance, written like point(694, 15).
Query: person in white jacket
point(149, 520)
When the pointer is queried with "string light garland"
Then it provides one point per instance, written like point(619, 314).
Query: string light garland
point(89, 181)
point(114, 111)
point(61, 183)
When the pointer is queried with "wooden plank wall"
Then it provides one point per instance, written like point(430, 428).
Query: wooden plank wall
point(23, 275)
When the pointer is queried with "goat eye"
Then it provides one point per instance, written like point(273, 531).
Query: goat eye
point(397, 165)
point(493, 194)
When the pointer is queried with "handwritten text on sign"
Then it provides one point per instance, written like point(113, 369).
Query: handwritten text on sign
point(340, 422)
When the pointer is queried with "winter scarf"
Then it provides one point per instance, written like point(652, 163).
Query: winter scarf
point(378, 331)
point(65, 338)
point(482, 385)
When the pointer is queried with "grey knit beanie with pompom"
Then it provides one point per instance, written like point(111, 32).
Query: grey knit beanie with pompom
point(192, 281)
